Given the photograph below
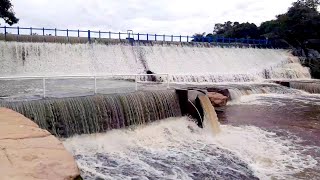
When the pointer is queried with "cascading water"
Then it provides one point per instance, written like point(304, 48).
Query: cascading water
point(94, 114)
point(210, 116)
point(239, 90)
point(186, 63)
point(311, 87)
point(173, 148)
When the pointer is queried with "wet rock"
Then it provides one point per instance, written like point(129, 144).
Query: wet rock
point(151, 78)
point(224, 92)
point(311, 58)
point(313, 54)
point(217, 99)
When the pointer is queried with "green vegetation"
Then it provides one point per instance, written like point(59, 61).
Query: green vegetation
point(6, 12)
point(294, 28)
point(298, 29)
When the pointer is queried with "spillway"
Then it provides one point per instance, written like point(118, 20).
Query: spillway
point(94, 114)
point(185, 63)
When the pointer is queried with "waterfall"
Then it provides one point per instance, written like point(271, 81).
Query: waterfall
point(185, 62)
point(238, 90)
point(311, 87)
point(94, 114)
point(210, 116)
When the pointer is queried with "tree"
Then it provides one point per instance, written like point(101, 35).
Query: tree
point(312, 4)
point(300, 23)
point(295, 27)
point(6, 12)
point(198, 37)
point(236, 30)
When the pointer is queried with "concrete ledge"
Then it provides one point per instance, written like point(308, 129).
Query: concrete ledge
point(28, 152)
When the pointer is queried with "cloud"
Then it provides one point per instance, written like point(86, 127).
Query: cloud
point(145, 16)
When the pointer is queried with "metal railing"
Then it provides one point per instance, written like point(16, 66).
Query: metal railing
point(111, 76)
point(129, 35)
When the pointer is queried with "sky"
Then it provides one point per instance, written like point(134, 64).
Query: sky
point(185, 17)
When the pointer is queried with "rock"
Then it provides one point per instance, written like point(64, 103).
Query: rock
point(217, 99)
point(151, 78)
point(29, 152)
point(313, 54)
point(283, 83)
point(224, 92)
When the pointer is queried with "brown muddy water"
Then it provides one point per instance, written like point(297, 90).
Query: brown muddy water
point(267, 132)
point(290, 116)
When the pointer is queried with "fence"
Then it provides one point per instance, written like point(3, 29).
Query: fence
point(137, 80)
point(129, 35)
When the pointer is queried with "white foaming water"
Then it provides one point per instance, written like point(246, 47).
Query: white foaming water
point(216, 64)
point(185, 63)
point(242, 91)
point(302, 98)
point(67, 59)
point(178, 149)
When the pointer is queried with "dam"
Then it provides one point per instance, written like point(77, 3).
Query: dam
point(116, 108)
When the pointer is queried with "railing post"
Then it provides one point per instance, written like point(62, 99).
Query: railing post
point(168, 81)
point(164, 37)
point(119, 35)
point(99, 35)
point(30, 30)
point(138, 36)
point(187, 38)
point(43, 31)
point(155, 37)
point(109, 34)
point(172, 38)
point(68, 34)
point(55, 31)
point(44, 87)
point(18, 29)
point(136, 82)
point(147, 37)
point(89, 36)
point(78, 33)
point(180, 38)
point(5, 32)
point(95, 85)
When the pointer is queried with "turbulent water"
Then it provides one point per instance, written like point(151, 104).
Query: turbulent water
point(178, 149)
point(268, 131)
point(265, 135)
point(185, 63)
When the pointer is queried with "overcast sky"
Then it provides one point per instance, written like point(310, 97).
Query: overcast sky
point(184, 17)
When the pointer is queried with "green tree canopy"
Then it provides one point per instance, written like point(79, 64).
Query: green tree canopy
point(6, 12)
point(236, 30)
point(300, 23)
